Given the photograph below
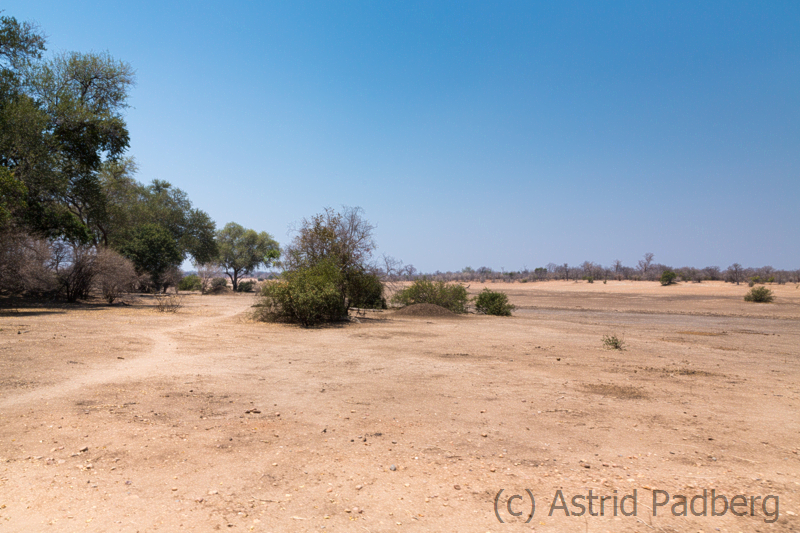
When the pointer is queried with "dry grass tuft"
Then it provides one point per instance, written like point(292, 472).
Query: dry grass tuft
point(169, 303)
point(625, 392)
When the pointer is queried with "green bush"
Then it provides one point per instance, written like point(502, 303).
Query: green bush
point(452, 296)
point(190, 283)
point(493, 303)
point(759, 294)
point(590, 279)
point(365, 290)
point(246, 286)
point(612, 342)
point(307, 296)
point(668, 277)
point(218, 285)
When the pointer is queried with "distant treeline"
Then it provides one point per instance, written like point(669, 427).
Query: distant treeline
point(645, 270)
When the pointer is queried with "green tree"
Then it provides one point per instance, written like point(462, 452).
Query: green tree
point(243, 250)
point(328, 269)
point(346, 240)
point(12, 195)
point(82, 97)
point(668, 277)
point(60, 119)
point(153, 251)
point(131, 204)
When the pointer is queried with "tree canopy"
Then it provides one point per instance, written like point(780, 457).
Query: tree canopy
point(243, 250)
point(64, 174)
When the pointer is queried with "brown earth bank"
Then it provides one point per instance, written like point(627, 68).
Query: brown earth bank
point(121, 418)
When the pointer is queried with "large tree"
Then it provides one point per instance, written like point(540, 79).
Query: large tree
point(131, 204)
point(243, 250)
point(60, 120)
point(153, 251)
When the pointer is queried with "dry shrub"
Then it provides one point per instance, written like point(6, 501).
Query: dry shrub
point(115, 274)
point(207, 272)
point(168, 303)
point(626, 392)
point(24, 264)
point(73, 267)
point(218, 286)
point(171, 278)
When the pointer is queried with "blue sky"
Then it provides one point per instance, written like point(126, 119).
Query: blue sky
point(501, 134)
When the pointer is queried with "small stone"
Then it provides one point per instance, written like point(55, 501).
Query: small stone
point(484, 434)
point(393, 468)
point(174, 489)
point(356, 510)
point(84, 449)
point(213, 492)
point(359, 487)
point(457, 487)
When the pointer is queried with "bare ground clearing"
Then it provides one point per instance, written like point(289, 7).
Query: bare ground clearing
point(203, 420)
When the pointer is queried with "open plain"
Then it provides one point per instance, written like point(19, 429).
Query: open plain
point(121, 418)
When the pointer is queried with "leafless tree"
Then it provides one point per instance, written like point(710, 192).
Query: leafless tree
point(73, 267)
point(207, 272)
point(24, 264)
point(346, 237)
point(618, 269)
point(712, 273)
point(644, 264)
point(171, 278)
point(735, 273)
point(115, 274)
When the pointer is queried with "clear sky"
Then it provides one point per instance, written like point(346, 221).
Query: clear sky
point(501, 134)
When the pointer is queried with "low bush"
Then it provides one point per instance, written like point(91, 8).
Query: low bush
point(217, 286)
point(168, 303)
point(246, 286)
point(493, 303)
point(668, 277)
point(612, 342)
point(452, 296)
point(115, 274)
point(760, 295)
point(307, 296)
point(192, 282)
point(365, 290)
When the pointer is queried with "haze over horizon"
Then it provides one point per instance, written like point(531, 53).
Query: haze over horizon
point(472, 134)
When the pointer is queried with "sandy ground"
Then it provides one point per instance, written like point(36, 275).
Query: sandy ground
point(125, 419)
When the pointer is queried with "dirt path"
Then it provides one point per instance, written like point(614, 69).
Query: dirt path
point(158, 362)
